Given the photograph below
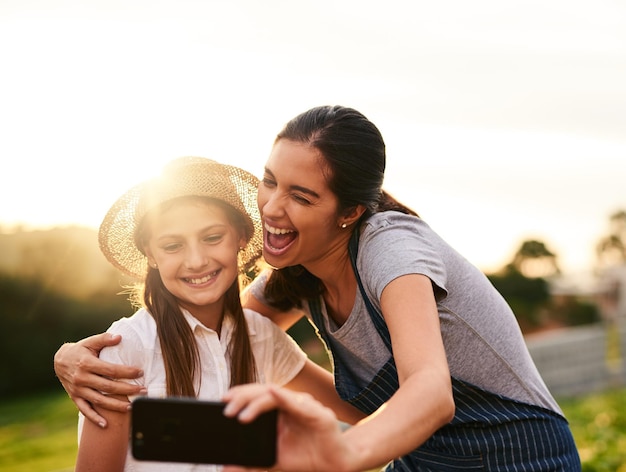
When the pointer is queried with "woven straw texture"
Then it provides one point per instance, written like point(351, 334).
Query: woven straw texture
point(185, 176)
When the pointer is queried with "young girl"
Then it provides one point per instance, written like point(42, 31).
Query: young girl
point(189, 234)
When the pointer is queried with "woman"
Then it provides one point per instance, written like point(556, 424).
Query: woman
point(420, 340)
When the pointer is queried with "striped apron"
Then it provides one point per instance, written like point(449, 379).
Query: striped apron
point(489, 432)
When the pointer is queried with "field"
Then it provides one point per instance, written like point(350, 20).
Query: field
point(38, 433)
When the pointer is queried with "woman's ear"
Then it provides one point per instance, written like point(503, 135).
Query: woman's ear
point(351, 216)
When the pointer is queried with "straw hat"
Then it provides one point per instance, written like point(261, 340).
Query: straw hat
point(185, 176)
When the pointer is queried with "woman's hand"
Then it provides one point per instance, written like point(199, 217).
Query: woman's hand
point(86, 378)
point(309, 435)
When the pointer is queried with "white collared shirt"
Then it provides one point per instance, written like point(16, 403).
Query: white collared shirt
point(278, 360)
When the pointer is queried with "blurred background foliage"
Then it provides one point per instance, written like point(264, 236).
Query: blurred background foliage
point(55, 286)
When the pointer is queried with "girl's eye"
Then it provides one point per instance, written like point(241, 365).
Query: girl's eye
point(213, 238)
point(171, 247)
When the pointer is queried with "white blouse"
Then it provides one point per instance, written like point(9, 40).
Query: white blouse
point(278, 360)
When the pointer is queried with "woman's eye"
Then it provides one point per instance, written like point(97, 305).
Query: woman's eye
point(268, 182)
point(301, 199)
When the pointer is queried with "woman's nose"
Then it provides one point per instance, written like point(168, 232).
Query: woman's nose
point(269, 204)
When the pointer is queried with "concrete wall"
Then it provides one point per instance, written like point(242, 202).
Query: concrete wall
point(575, 361)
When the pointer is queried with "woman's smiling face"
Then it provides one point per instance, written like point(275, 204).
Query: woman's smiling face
point(299, 212)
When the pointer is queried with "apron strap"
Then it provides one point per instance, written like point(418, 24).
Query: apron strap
point(377, 318)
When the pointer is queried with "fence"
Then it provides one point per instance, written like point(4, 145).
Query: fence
point(580, 360)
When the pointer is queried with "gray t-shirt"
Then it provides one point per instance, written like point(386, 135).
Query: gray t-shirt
point(484, 345)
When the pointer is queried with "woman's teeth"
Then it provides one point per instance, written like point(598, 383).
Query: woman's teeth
point(273, 230)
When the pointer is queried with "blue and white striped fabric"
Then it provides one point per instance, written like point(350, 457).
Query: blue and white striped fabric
point(488, 432)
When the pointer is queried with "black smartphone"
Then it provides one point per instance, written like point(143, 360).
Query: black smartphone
point(190, 430)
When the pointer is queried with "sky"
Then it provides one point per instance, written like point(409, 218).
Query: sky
point(504, 120)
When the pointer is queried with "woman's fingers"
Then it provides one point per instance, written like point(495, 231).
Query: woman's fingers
point(78, 367)
point(96, 374)
point(236, 468)
point(85, 355)
point(89, 380)
point(309, 437)
point(302, 406)
point(91, 414)
point(98, 341)
point(248, 401)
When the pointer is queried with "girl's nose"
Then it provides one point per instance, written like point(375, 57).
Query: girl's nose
point(195, 258)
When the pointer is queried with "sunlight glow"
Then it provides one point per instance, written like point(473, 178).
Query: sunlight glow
point(499, 127)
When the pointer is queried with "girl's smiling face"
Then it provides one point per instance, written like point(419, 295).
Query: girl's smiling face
point(299, 211)
point(194, 246)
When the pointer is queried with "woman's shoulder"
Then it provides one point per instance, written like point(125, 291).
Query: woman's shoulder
point(387, 219)
point(389, 226)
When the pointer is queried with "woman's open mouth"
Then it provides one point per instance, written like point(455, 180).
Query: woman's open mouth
point(278, 240)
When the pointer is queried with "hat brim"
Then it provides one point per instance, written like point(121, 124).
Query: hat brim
point(187, 176)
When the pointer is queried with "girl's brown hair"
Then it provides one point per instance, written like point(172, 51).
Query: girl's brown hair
point(180, 351)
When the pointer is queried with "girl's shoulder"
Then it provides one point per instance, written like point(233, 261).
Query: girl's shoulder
point(139, 327)
point(263, 330)
point(139, 340)
point(257, 323)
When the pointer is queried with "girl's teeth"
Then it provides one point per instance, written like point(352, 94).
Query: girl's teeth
point(204, 279)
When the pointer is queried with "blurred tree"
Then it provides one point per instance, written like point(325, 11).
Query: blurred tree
point(34, 322)
point(570, 311)
point(611, 249)
point(524, 285)
point(611, 272)
point(534, 259)
point(64, 260)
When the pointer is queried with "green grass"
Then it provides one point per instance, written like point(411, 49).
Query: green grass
point(38, 433)
point(598, 423)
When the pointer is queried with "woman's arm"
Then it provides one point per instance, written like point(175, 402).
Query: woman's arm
point(87, 379)
point(104, 449)
point(84, 377)
point(422, 404)
point(319, 383)
point(284, 319)
point(309, 436)
point(424, 401)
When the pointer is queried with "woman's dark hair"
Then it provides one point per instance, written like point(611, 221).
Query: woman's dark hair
point(178, 344)
point(353, 150)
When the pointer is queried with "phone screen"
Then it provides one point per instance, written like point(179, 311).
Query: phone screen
point(195, 431)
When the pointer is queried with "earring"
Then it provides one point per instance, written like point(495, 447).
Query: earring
point(344, 226)
point(155, 266)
